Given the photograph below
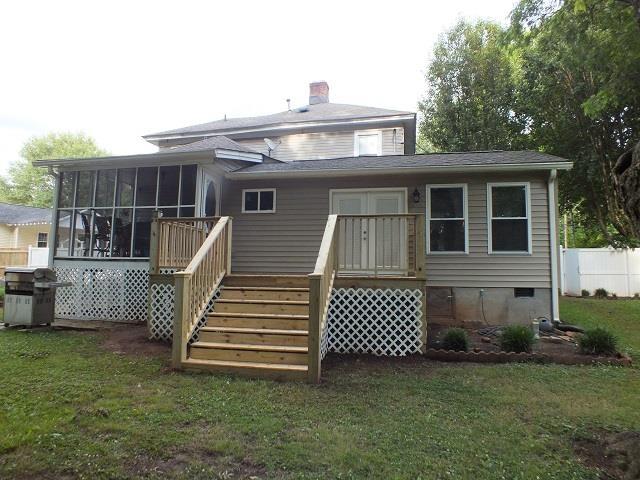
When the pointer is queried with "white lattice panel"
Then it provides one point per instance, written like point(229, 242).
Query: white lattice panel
point(377, 321)
point(162, 312)
point(114, 291)
point(324, 340)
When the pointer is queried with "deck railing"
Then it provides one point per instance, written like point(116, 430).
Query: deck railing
point(320, 286)
point(175, 240)
point(196, 284)
point(374, 245)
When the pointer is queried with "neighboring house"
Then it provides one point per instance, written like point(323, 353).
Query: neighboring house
point(334, 236)
point(22, 226)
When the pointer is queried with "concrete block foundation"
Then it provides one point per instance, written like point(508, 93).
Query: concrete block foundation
point(493, 306)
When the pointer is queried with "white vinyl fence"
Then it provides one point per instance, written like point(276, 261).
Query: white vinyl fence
point(38, 257)
point(616, 270)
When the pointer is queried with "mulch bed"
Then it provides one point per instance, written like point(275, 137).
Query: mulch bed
point(560, 348)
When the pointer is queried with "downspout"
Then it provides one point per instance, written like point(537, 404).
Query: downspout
point(52, 240)
point(395, 136)
point(553, 241)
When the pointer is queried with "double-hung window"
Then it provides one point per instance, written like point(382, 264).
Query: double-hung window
point(259, 201)
point(447, 219)
point(367, 143)
point(509, 214)
point(42, 239)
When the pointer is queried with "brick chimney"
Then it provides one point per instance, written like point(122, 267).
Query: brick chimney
point(318, 93)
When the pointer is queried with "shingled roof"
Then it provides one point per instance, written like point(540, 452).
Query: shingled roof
point(321, 112)
point(12, 214)
point(210, 143)
point(400, 163)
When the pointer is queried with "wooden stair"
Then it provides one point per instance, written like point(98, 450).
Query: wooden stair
point(258, 328)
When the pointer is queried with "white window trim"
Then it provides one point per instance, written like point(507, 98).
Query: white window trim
point(356, 144)
point(527, 190)
point(46, 239)
point(249, 190)
point(465, 212)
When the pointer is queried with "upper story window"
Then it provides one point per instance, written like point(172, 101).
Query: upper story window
point(108, 213)
point(259, 201)
point(42, 239)
point(367, 142)
point(509, 214)
point(447, 219)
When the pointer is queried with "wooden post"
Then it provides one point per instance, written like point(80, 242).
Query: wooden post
point(421, 251)
point(154, 244)
point(314, 339)
point(181, 312)
point(229, 237)
point(423, 332)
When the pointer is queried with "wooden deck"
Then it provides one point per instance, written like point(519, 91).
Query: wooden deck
point(274, 325)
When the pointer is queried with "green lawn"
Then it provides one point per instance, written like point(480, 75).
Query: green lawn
point(69, 409)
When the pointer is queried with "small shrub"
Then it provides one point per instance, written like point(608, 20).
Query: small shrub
point(636, 296)
point(517, 338)
point(614, 296)
point(585, 293)
point(598, 341)
point(601, 293)
point(456, 339)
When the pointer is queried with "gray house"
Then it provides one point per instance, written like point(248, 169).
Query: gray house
point(258, 244)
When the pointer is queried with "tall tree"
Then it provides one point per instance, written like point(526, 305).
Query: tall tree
point(579, 89)
point(28, 185)
point(626, 172)
point(563, 79)
point(470, 101)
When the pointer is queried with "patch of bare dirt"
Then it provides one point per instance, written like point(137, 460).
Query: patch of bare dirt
point(368, 364)
point(181, 463)
point(614, 455)
point(134, 340)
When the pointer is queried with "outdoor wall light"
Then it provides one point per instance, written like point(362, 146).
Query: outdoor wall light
point(416, 195)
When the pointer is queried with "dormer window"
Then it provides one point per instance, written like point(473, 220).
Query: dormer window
point(367, 142)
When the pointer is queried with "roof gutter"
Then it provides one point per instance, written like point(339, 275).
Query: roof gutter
point(340, 172)
point(280, 127)
point(237, 155)
point(129, 160)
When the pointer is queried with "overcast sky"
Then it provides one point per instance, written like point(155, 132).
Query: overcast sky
point(117, 70)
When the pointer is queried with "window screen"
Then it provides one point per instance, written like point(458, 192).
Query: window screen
point(108, 213)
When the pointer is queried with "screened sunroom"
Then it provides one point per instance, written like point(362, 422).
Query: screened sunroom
point(104, 210)
point(107, 214)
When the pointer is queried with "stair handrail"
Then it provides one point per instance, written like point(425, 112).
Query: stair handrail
point(175, 240)
point(196, 284)
point(320, 287)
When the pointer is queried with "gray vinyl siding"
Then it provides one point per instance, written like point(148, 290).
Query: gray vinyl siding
point(287, 241)
point(313, 146)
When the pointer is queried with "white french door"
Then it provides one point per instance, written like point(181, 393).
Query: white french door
point(371, 244)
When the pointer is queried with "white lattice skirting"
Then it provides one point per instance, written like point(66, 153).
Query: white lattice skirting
point(114, 291)
point(377, 321)
point(162, 312)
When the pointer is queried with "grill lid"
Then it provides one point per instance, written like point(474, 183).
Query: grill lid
point(23, 273)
